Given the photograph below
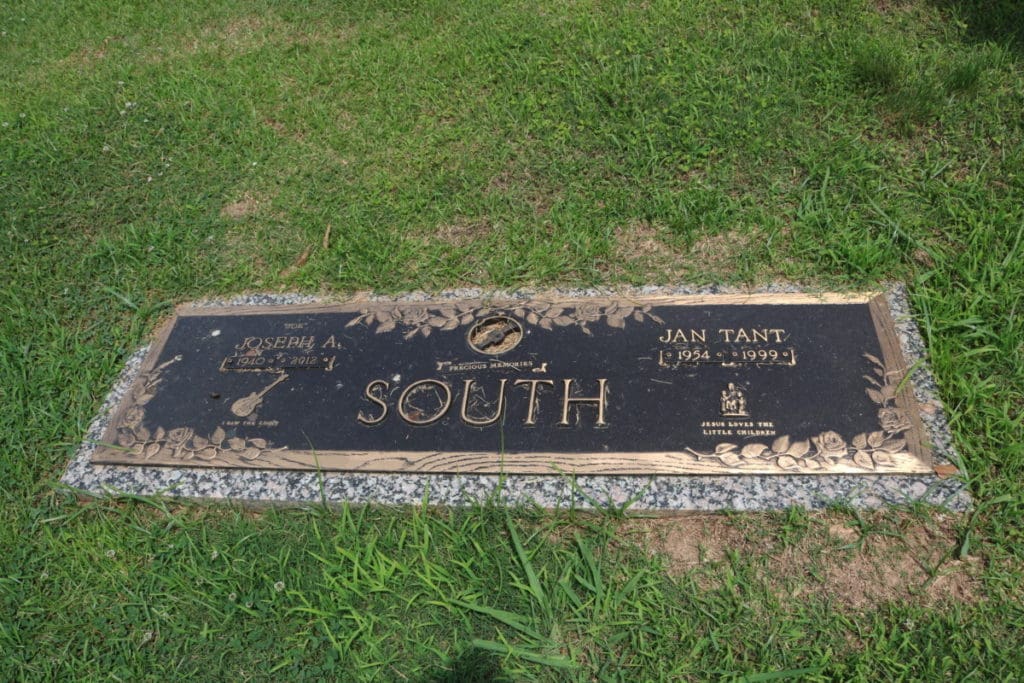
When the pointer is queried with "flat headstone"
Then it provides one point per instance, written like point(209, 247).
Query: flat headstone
point(583, 399)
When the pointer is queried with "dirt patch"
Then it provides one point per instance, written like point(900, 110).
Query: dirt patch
point(900, 559)
point(892, 6)
point(913, 564)
point(924, 258)
point(650, 251)
point(249, 240)
point(719, 252)
point(639, 241)
point(642, 246)
point(88, 56)
point(242, 245)
point(692, 540)
point(234, 37)
point(282, 130)
point(241, 27)
point(246, 206)
point(245, 34)
point(464, 231)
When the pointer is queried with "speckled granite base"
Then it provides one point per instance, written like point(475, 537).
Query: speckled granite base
point(652, 493)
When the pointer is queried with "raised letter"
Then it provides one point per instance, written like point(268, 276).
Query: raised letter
point(566, 400)
point(417, 419)
point(369, 394)
point(467, 386)
point(531, 418)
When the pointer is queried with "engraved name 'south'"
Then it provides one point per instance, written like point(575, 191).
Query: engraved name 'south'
point(414, 412)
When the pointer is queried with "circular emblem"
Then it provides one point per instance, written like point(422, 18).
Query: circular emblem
point(495, 335)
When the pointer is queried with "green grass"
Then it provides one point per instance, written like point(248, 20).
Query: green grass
point(151, 154)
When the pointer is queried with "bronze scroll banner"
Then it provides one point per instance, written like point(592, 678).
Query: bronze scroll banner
point(722, 384)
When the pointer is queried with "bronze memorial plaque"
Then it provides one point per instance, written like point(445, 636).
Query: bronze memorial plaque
point(743, 384)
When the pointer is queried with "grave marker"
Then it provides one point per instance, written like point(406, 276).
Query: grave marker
point(711, 384)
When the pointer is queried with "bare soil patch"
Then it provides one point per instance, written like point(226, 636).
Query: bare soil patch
point(247, 205)
point(241, 35)
point(892, 6)
point(251, 237)
point(719, 251)
point(902, 559)
point(643, 246)
point(651, 251)
point(464, 231)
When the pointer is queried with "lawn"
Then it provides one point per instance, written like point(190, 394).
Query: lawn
point(154, 153)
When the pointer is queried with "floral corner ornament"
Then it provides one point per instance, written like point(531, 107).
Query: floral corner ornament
point(180, 443)
point(868, 450)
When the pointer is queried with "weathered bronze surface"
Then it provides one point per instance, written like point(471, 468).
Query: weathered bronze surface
point(748, 384)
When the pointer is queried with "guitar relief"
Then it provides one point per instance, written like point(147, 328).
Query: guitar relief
point(247, 405)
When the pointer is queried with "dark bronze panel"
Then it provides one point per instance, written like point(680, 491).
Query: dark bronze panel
point(662, 385)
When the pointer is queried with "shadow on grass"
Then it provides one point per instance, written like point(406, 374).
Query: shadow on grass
point(472, 666)
point(997, 21)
